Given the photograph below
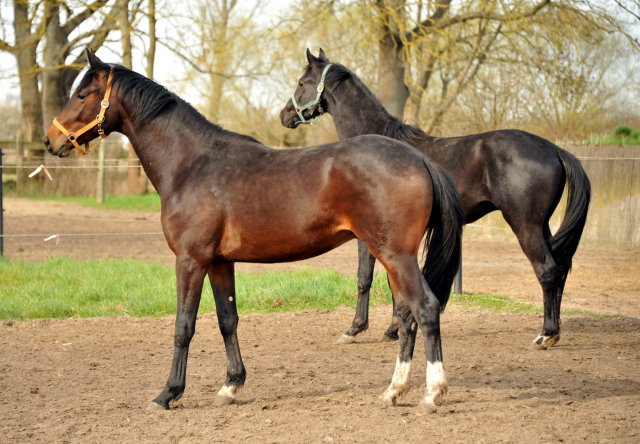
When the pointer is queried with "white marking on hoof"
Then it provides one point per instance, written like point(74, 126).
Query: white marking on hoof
point(545, 342)
point(389, 397)
point(346, 339)
point(400, 384)
point(228, 391)
point(155, 407)
point(437, 385)
point(426, 407)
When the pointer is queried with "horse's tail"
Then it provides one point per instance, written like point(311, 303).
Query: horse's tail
point(564, 243)
point(443, 241)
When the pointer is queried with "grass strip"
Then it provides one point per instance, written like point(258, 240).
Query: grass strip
point(63, 287)
point(147, 202)
point(503, 304)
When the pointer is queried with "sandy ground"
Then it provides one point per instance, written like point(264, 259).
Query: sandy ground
point(89, 380)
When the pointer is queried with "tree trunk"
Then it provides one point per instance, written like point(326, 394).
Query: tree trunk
point(54, 92)
point(412, 110)
point(151, 54)
point(125, 33)
point(25, 52)
point(392, 91)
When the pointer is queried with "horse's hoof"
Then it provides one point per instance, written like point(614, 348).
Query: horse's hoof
point(220, 400)
point(155, 407)
point(389, 337)
point(346, 339)
point(426, 407)
point(545, 342)
point(388, 399)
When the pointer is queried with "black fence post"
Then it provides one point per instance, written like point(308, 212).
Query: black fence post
point(1, 210)
point(457, 282)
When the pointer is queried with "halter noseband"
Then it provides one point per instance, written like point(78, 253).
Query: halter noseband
point(99, 120)
point(313, 103)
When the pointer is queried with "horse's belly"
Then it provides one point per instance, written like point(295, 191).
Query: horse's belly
point(279, 247)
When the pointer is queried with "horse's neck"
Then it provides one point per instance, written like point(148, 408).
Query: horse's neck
point(165, 148)
point(355, 113)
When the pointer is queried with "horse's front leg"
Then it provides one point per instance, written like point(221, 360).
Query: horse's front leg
point(224, 291)
point(190, 276)
point(366, 266)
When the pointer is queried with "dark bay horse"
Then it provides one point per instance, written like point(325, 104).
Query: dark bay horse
point(517, 173)
point(227, 198)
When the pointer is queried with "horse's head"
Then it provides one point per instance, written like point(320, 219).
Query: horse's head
point(90, 112)
point(309, 100)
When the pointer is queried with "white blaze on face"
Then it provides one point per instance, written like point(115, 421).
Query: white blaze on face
point(76, 82)
point(436, 382)
point(228, 391)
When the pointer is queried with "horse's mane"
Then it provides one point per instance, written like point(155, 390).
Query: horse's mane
point(144, 99)
point(394, 128)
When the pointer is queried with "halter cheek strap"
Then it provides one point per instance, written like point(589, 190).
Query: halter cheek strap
point(99, 120)
point(313, 103)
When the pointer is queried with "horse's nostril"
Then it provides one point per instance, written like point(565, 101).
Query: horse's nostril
point(47, 144)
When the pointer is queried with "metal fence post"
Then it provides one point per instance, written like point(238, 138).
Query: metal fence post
point(102, 178)
point(457, 282)
point(1, 210)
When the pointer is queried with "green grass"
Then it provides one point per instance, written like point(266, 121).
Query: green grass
point(610, 139)
point(503, 304)
point(148, 202)
point(63, 287)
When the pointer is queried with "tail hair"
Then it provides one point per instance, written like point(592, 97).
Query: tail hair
point(443, 241)
point(564, 243)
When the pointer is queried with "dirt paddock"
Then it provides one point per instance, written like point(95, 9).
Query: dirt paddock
point(89, 380)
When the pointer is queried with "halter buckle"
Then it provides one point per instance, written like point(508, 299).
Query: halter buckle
point(104, 103)
point(72, 137)
point(320, 87)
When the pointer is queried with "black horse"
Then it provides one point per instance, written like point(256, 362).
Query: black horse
point(227, 198)
point(513, 171)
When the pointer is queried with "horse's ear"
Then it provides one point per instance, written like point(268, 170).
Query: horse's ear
point(323, 57)
point(313, 60)
point(93, 59)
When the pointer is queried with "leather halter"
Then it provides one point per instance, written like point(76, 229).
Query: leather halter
point(99, 120)
point(311, 104)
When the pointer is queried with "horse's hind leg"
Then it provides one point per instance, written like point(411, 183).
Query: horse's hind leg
point(401, 382)
point(416, 306)
point(224, 291)
point(190, 276)
point(550, 276)
point(366, 265)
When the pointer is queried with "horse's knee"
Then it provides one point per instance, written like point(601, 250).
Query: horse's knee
point(184, 334)
point(228, 325)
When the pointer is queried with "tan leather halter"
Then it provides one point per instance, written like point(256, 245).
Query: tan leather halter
point(99, 120)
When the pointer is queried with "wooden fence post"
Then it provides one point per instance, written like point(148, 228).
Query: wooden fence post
point(19, 163)
point(102, 178)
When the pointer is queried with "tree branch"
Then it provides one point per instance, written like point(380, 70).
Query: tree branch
point(78, 19)
point(431, 24)
point(4, 46)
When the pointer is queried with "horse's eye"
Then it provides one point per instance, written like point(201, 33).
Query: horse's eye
point(81, 97)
